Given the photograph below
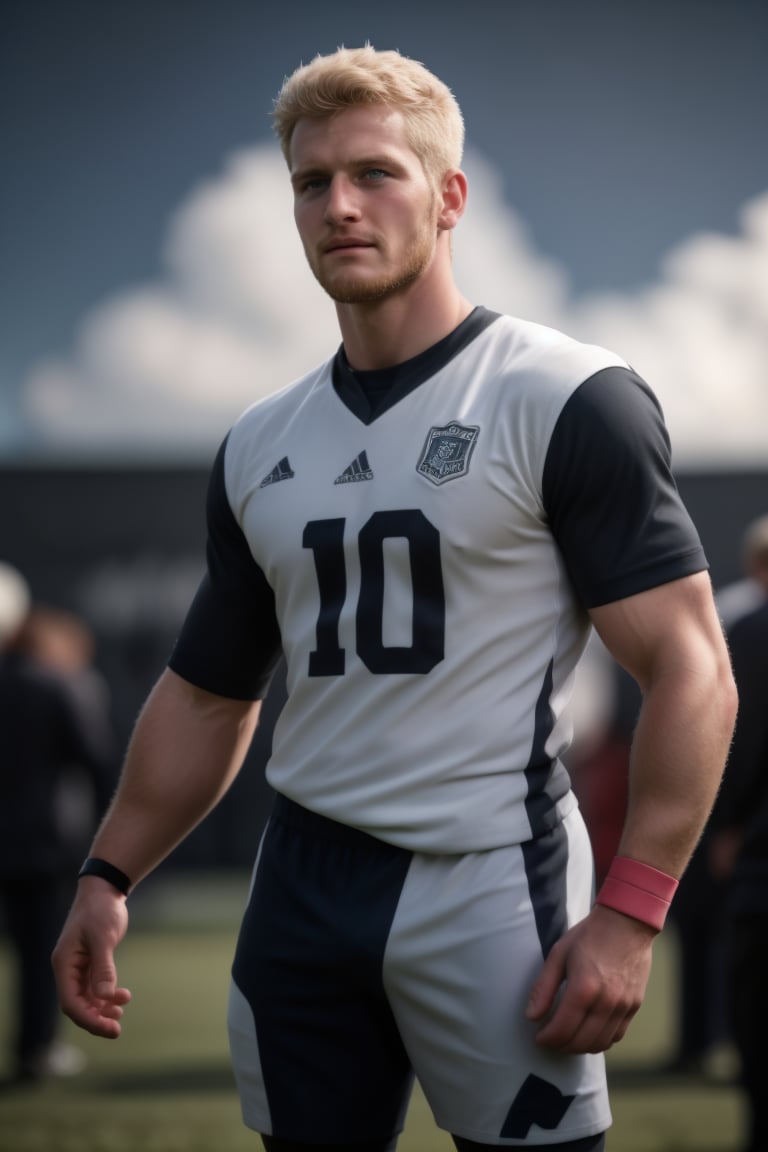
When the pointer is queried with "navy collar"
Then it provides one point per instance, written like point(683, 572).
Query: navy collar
point(369, 394)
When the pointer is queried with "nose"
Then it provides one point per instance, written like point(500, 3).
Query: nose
point(341, 203)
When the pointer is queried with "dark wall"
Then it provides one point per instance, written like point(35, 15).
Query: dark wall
point(125, 550)
point(722, 504)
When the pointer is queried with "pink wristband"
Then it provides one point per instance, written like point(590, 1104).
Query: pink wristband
point(638, 890)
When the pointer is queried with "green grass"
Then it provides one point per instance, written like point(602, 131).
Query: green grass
point(166, 1084)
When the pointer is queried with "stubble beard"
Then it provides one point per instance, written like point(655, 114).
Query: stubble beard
point(351, 290)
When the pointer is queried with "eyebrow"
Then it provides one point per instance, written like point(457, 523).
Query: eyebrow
point(302, 174)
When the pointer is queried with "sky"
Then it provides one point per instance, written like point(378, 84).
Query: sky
point(151, 282)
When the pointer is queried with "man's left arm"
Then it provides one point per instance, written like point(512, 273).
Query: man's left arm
point(670, 640)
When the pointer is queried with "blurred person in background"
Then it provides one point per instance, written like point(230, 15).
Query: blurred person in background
point(736, 599)
point(699, 913)
point(57, 774)
point(739, 848)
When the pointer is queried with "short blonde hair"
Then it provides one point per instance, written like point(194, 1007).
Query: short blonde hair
point(350, 77)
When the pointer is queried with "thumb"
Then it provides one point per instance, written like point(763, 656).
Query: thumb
point(544, 992)
point(104, 976)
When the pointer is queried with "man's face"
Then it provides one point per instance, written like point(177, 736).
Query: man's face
point(365, 210)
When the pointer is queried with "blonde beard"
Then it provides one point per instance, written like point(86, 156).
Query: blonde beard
point(367, 292)
point(419, 256)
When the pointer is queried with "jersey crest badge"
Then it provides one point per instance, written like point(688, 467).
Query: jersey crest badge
point(447, 452)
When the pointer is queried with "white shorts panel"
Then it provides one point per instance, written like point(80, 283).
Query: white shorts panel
point(462, 955)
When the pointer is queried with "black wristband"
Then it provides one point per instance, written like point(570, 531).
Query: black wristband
point(94, 866)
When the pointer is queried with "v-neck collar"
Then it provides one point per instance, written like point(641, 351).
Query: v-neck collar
point(369, 394)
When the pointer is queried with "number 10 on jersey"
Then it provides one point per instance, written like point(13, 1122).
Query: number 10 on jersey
point(427, 648)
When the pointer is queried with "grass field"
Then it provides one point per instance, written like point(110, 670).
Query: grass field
point(166, 1085)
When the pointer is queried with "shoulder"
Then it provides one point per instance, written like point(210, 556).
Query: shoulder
point(248, 452)
point(272, 407)
point(540, 370)
point(616, 403)
point(547, 355)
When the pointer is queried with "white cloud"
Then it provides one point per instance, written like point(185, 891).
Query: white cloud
point(163, 369)
point(700, 337)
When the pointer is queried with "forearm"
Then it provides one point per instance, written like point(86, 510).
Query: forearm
point(185, 751)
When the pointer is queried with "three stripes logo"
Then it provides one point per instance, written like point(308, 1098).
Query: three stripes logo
point(281, 471)
point(359, 469)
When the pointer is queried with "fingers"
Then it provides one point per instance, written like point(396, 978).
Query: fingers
point(544, 992)
point(100, 1018)
point(97, 1013)
point(589, 1020)
point(592, 983)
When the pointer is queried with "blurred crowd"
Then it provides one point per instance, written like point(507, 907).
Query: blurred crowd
point(57, 775)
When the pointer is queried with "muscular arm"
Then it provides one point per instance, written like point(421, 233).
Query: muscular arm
point(670, 640)
point(186, 750)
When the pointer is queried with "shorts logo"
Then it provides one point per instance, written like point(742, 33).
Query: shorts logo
point(447, 452)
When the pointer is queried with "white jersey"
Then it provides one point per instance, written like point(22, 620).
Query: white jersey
point(425, 566)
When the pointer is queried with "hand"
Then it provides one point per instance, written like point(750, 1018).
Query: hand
point(592, 983)
point(83, 960)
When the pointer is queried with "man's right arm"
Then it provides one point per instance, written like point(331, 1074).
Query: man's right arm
point(186, 750)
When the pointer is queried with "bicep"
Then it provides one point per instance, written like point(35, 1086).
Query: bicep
point(178, 702)
point(673, 627)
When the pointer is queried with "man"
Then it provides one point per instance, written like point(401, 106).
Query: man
point(742, 596)
point(739, 842)
point(699, 910)
point(424, 525)
point(50, 741)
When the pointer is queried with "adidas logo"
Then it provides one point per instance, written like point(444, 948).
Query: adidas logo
point(359, 469)
point(281, 471)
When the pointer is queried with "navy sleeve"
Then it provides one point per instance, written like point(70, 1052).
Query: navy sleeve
point(612, 502)
point(230, 641)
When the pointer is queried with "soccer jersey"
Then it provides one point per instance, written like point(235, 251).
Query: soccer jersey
point(425, 564)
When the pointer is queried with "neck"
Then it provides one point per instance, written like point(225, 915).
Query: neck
point(391, 331)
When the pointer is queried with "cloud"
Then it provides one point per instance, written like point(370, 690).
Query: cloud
point(700, 337)
point(162, 370)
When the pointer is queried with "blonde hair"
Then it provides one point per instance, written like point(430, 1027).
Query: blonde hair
point(351, 77)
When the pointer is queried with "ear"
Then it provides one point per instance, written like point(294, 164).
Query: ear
point(453, 200)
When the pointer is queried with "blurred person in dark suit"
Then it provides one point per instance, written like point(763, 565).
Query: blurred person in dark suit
point(739, 853)
point(699, 912)
point(56, 739)
point(750, 591)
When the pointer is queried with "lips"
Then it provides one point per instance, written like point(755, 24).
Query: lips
point(347, 242)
